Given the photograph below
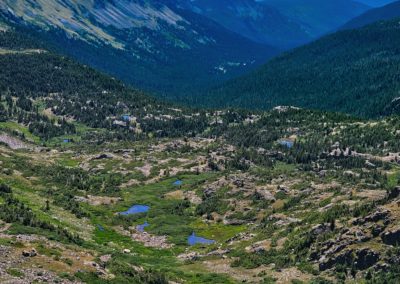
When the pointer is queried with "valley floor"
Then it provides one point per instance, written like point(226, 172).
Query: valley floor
point(269, 216)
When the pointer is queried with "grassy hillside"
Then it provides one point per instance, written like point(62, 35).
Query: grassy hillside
point(352, 71)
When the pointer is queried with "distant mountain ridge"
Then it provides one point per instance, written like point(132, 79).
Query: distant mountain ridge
point(175, 48)
point(386, 12)
point(375, 3)
point(319, 17)
point(147, 43)
point(259, 22)
point(283, 23)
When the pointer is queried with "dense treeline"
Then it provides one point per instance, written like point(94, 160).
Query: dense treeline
point(319, 141)
point(74, 91)
point(10, 40)
point(353, 71)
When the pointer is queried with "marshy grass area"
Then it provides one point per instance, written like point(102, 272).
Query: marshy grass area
point(52, 197)
point(194, 210)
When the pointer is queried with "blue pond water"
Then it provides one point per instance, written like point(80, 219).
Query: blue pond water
point(178, 183)
point(126, 117)
point(286, 143)
point(193, 239)
point(135, 209)
point(141, 227)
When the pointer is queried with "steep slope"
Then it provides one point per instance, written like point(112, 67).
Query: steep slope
point(318, 17)
point(52, 95)
point(376, 3)
point(279, 23)
point(146, 43)
point(254, 20)
point(353, 71)
point(387, 12)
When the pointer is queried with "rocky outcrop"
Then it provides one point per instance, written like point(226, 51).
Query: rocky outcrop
point(281, 219)
point(149, 240)
point(365, 258)
point(259, 246)
point(379, 215)
point(394, 193)
point(391, 237)
point(13, 142)
point(103, 156)
point(344, 258)
point(240, 237)
point(233, 222)
point(219, 252)
point(190, 256)
point(208, 192)
point(264, 194)
point(104, 259)
point(336, 250)
point(29, 253)
point(320, 229)
point(358, 259)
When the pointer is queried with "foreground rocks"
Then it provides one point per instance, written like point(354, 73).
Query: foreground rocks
point(151, 241)
point(391, 237)
point(12, 271)
point(29, 253)
point(358, 259)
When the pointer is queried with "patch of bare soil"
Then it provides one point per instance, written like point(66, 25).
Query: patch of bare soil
point(223, 266)
point(98, 200)
point(177, 195)
point(264, 245)
point(13, 142)
point(371, 195)
point(145, 170)
point(192, 197)
point(27, 265)
point(285, 276)
point(130, 183)
point(148, 240)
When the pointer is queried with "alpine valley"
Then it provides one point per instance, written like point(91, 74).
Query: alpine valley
point(353, 71)
point(174, 48)
point(289, 173)
point(149, 44)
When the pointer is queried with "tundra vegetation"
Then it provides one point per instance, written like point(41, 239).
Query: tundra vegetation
point(77, 148)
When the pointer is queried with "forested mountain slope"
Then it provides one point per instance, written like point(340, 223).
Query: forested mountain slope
point(352, 71)
point(36, 84)
point(145, 43)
